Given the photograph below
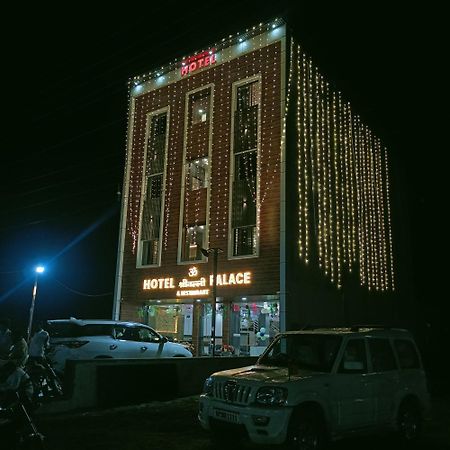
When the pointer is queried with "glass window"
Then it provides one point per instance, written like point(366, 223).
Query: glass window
point(150, 252)
point(155, 183)
point(245, 166)
point(407, 354)
point(248, 95)
point(381, 355)
point(354, 359)
point(96, 330)
point(197, 174)
point(199, 104)
point(303, 351)
point(244, 190)
point(151, 218)
point(192, 243)
point(173, 321)
point(147, 335)
point(244, 239)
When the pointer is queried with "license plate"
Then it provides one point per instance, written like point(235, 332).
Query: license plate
point(227, 416)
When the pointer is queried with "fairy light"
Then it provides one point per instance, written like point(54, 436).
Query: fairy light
point(337, 192)
point(372, 219)
point(301, 133)
point(319, 144)
point(361, 204)
point(343, 178)
point(342, 175)
point(388, 208)
point(352, 183)
point(323, 178)
point(381, 231)
point(330, 189)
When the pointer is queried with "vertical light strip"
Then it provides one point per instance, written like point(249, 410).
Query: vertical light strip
point(380, 210)
point(330, 185)
point(336, 192)
point(353, 184)
point(323, 163)
point(348, 208)
point(319, 142)
point(360, 201)
point(301, 131)
point(343, 184)
point(388, 208)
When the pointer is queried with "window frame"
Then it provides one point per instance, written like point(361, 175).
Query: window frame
point(144, 182)
point(231, 230)
point(187, 124)
point(386, 339)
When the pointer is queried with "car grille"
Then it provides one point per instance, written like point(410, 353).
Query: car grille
point(231, 392)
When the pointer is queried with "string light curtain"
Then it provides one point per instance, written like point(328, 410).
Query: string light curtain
point(343, 187)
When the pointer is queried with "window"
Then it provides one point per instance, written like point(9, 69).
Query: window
point(199, 106)
point(354, 359)
point(311, 352)
point(407, 354)
point(151, 217)
point(150, 252)
point(192, 243)
point(197, 174)
point(155, 186)
point(244, 241)
point(244, 188)
point(381, 355)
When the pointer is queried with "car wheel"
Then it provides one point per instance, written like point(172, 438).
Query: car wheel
point(307, 430)
point(409, 421)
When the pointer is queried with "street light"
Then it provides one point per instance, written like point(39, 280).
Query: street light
point(206, 252)
point(38, 270)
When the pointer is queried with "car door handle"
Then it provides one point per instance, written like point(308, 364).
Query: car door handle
point(112, 346)
point(143, 349)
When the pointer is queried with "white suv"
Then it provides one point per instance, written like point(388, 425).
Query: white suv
point(88, 339)
point(311, 386)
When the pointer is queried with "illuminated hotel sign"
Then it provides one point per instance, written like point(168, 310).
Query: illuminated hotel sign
point(195, 286)
point(196, 62)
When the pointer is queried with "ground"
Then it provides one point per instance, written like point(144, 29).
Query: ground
point(173, 425)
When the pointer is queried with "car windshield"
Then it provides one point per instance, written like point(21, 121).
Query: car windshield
point(303, 351)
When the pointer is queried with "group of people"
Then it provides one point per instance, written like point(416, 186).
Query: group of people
point(15, 351)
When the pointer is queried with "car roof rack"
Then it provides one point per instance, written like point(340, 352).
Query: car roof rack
point(369, 326)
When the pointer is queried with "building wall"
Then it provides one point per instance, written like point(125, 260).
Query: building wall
point(265, 62)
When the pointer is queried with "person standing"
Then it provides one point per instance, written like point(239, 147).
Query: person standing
point(19, 350)
point(38, 344)
point(5, 339)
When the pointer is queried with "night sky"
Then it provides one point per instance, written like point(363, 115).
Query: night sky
point(63, 138)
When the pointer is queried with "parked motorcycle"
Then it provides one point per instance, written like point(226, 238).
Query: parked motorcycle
point(46, 384)
point(17, 429)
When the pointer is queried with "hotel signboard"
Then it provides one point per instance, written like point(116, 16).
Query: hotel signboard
point(195, 285)
point(196, 62)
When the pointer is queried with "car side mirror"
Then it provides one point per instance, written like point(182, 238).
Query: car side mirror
point(353, 365)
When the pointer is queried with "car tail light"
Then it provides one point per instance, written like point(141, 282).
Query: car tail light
point(75, 344)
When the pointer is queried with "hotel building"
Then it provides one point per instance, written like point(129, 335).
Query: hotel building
point(243, 149)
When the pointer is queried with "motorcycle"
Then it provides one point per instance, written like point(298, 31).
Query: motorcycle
point(46, 384)
point(17, 428)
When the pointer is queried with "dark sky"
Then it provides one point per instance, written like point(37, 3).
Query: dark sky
point(65, 110)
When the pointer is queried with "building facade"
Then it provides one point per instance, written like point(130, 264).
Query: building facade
point(245, 152)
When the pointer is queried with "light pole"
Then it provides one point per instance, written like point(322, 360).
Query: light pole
point(38, 270)
point(206, 252)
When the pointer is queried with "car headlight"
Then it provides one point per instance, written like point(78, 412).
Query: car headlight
point(271, 396)
point(208, 386)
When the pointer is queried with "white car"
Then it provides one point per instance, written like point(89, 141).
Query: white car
point(89, 339)
point(312, 386)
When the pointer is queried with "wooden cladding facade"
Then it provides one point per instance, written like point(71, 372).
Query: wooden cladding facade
point(193, 141)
